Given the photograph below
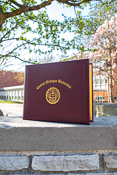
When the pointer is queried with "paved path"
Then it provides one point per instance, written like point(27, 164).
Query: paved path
point(12, 109)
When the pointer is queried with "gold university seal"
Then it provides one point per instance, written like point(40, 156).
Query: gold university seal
point(52, 95)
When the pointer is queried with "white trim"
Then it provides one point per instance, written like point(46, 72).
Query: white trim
point(12, 87)
point(12, 93)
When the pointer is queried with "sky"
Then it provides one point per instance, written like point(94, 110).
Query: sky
point(55, 12)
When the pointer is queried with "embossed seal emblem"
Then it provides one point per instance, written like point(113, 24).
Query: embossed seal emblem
point(52, 95)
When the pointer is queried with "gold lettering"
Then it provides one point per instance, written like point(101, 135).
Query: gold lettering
point(42, 84)
point(53, 81)
point(46, 81)
point(64, 83)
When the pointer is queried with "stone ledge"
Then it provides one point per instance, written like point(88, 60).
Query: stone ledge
point(12, 163)
point(19, 135)
point(66, 163)
point(110, 161)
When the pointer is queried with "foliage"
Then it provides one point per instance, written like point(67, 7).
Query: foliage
point(102, 51)
point(4, 101)
point(97, 15)
point(104, 43)
point(25, 27)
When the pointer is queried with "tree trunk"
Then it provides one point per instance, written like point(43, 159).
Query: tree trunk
point(110, 86)
point(110, 91)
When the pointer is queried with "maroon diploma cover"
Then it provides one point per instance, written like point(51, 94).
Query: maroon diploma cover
point(59, 92)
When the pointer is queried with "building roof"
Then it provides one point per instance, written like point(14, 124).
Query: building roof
point(9, 78)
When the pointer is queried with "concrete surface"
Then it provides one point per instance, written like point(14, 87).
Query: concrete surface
point(18, 122)
point(12, 109)
point(105, 109)
point(20, 135)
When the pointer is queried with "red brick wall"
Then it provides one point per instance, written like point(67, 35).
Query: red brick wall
point(115, 74)
point(8, 78)
point(104, 93)
point(101, 93)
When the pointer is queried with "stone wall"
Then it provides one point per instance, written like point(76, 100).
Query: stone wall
point(43, 148)
point(60, 163)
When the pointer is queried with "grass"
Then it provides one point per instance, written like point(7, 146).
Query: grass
point(13, 102)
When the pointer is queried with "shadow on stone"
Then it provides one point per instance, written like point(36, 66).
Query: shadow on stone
point(1, 113)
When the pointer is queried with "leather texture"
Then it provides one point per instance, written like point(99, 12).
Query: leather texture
point(57, 92)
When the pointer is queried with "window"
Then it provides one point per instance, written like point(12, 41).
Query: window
point(100, 98)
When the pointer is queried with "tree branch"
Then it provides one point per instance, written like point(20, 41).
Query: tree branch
point(2, 18)
point(7, 33)
point(22, 59)
point(26, 8)
point(12, 51)
point(71, 3)
point(16, 3)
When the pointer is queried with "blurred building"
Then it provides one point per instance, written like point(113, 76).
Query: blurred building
point(10, 78)
point(100, 85)
point(12, 86)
